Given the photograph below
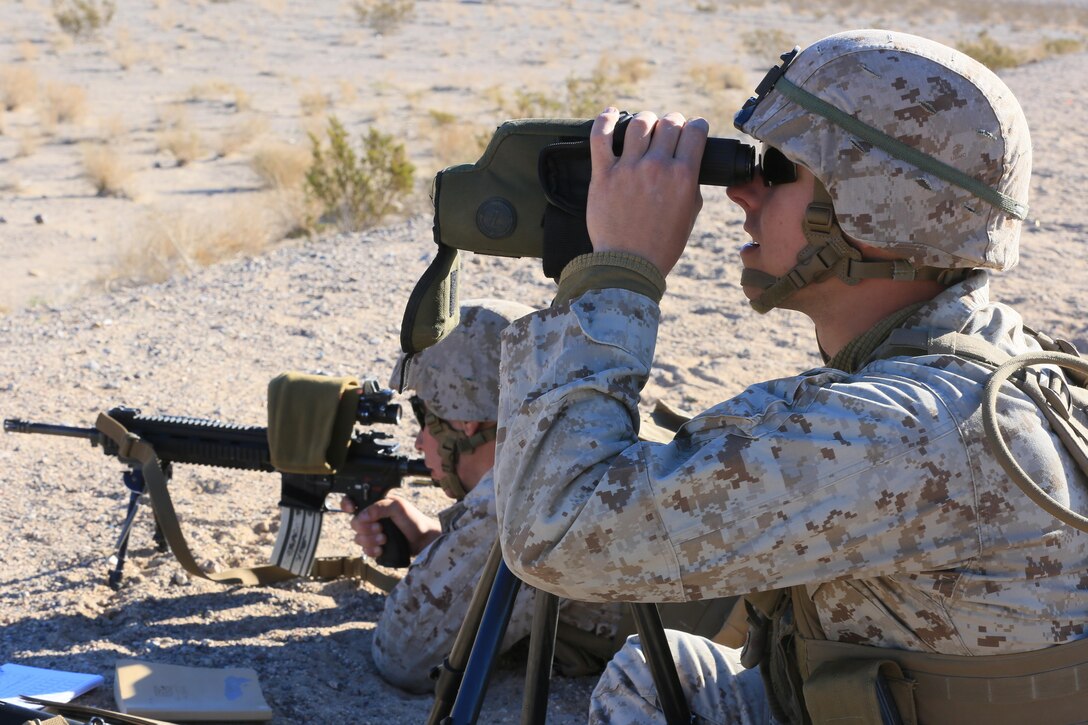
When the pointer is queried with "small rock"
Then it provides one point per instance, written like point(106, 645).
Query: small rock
point(39, 219)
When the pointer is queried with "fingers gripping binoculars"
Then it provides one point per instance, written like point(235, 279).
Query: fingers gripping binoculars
point(526, 197)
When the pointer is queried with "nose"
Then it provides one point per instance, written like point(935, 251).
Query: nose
point(419, 440)
point(747, 195)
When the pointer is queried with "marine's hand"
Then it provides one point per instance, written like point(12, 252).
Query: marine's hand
point(418, 528)
point(646, 200)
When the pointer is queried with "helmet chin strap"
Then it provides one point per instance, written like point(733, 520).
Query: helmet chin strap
point(828, 253)
point(451, 444)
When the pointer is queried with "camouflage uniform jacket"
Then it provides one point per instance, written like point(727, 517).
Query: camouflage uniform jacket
point(876, 490)
point(424, 611)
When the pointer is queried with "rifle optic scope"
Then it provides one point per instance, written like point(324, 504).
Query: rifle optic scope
point(374, 407)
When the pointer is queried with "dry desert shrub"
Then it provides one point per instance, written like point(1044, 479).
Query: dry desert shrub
point(171, 241)
point(529, 104)
point(1062, 46)
point(28, 143)
point(83, 18)
point(124, 51)
point(454, 141)
point(228, 94)
point(586, 96)
point(712, 77)
point(313, 103)
point(384, 16)
point(766, 45)
point(241, 134)
point(281, 165)
point(18, 86)
point(63, 103)
point(996, 55)
point(106, 169)
point(183, 143)
point(993, 54)
point(631, 71)
point(459, 143)
point(60, 42)
point(180, 139)
point(348, 92)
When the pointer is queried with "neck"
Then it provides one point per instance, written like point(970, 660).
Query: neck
point(851, 310)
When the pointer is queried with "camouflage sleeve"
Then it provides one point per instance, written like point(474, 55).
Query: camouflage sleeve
point(424, 611)
point(798, 480)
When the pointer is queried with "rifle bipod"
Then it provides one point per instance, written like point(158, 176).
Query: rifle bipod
point(134, 482)
point(463, 677)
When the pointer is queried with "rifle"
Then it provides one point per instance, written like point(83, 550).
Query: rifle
point(150, 445)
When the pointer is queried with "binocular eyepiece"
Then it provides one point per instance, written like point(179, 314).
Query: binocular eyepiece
point(726, 161)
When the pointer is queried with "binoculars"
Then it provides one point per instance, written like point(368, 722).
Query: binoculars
point(526, 196)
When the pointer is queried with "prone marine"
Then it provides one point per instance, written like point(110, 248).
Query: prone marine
point(455, 398)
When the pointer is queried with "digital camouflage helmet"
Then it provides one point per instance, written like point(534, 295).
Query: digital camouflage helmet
point(458, 379)
point(922, 151)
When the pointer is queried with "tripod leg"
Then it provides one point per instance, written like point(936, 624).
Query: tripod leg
point(485, 650)
point(453, 668)
point(534, 705)
point(662, 667)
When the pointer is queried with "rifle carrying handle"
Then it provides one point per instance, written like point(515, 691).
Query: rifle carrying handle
point(395, 553)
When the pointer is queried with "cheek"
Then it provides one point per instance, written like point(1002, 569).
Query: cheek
point(426, 443)
point(786, 213)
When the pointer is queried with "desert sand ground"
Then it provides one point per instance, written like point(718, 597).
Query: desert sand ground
point(80, 332)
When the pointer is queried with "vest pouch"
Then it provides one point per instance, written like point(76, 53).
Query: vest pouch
point(859, 692)
point(1048, 685)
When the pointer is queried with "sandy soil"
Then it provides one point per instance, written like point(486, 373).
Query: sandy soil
point(206, 342)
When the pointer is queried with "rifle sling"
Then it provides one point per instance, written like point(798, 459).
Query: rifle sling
point(131, 448)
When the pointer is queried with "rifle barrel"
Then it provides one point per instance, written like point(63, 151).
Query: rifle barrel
point(18, 425)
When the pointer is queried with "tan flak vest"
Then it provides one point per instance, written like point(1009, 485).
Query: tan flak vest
point(812, 680)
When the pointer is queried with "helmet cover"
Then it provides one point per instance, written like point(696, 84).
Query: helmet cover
point(458, 377)
point(930, 98)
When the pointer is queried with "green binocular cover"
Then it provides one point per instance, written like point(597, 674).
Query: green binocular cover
point(525, 197)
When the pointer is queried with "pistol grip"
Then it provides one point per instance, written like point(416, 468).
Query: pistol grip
point(395, 553)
